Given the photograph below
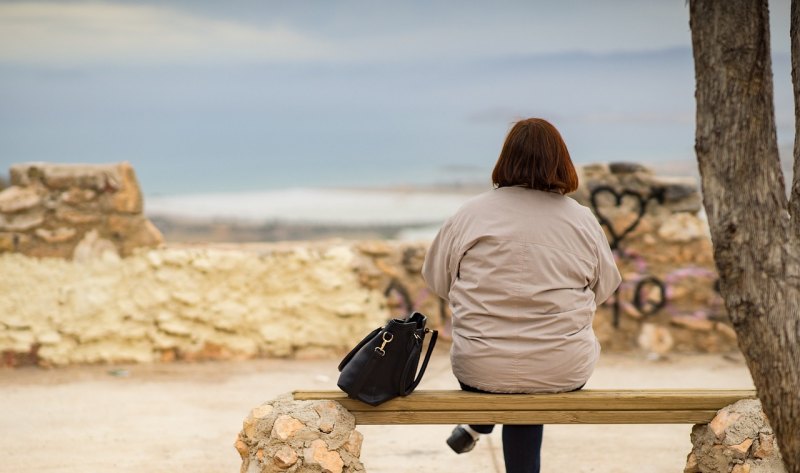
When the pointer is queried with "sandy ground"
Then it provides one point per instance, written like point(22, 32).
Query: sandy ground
point(185, 417)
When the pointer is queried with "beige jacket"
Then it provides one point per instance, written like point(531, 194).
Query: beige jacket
point(523, 271)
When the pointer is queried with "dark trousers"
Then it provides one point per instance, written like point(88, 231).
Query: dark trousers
point(522, 444)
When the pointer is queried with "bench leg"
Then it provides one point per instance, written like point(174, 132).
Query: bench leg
point(738, 440)
point(301, 436)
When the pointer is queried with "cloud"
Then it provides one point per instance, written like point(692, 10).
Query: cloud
point(87, 33)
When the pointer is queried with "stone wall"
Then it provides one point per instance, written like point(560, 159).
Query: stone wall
point(185, 303)
point(310, 299)
point(302, 300)
point(72, 211)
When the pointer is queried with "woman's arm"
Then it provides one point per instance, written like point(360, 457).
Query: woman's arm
point(607, 277)
point(436, 270)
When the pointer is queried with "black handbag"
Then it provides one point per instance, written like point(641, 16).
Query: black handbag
point(383, 365)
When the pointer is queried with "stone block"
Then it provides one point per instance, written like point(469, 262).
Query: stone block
point(286, 426)
point(133, 231)
point(77, 196)
point(58, 235)
point(77, 217)
point(285, 457)
point(10, 241)
point(693, 323)
point(22, 221)
point(15, 199)
point(96, 177)
point(127, 198)
point(25, 174)
point(318, 454)
point(682, 227)
point(92, 246)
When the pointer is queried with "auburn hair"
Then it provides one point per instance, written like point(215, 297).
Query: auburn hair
point(535, 156)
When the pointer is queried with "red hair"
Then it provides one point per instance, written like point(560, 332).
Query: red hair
point(535, 156)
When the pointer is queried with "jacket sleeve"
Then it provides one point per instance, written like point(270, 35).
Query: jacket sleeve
point(606, 277)
point(437, 268)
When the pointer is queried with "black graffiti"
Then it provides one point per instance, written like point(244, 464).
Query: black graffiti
point(646, 307)
point(617, 235)
point(398, 288)
point(644, 304)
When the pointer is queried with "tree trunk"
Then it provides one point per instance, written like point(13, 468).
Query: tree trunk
point(756, 244)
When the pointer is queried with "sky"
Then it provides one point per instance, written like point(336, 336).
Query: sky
point(207, 96)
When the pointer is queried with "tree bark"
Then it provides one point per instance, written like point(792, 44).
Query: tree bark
point(756, 243)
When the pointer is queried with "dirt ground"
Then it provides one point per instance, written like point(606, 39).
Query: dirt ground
point(185, 417)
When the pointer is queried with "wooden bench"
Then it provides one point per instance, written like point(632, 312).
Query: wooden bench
point(591, 406)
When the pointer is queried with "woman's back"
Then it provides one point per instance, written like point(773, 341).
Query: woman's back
point(524, 278)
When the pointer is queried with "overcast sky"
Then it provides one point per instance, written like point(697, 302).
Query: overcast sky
point(243, 95)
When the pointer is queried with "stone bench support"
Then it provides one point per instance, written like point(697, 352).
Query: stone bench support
point(285, 435)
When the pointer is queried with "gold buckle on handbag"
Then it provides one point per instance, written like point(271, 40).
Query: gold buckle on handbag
point(387, 337)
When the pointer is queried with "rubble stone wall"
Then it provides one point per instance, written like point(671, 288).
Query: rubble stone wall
point(73, 211)
point(166, 304)
point(307, 299)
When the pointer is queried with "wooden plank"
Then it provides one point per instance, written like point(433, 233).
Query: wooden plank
point(586, 400)
point(534, 417)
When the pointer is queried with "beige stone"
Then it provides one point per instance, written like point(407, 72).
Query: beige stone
point(139, 233)
point(693, 323)
point(327, 411)
point(329, 461)
point(58, 235)
point(98, 177)
point(21, 222)
point(353, 444)
point(261, 411)
point(682, 227)
point(743, 447)
point(249, 426)
point(375, 248)
point(726, 330)
point(15, 199)
point(241, 447)
point(10, 241)
point(49, 337)
point(127, 198)
point(24, 174)
point(251, 422)
point(326, 425)
point(285, 457)
point(75, 217)
point(286, 426)
point(741, 468)
point(766, 446)
point(77, 196)
point(691, 464)
point(92, 247)
point(656, 339)
point(720, 423)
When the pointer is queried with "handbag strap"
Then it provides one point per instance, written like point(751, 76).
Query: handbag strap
point(431, 344)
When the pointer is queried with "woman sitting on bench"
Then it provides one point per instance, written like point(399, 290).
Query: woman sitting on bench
point(523, 268)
